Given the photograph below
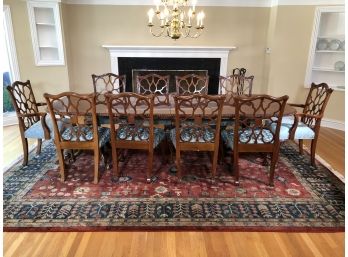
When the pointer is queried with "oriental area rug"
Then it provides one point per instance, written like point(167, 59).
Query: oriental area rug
point(304, 198)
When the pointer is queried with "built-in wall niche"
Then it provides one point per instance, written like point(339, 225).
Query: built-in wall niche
point(46, 33)
point(326, 61)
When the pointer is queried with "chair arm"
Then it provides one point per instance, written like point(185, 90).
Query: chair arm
point(297, 117)
point(42, 116)
point(36, 114)
point(297, 105)
point(41, 104)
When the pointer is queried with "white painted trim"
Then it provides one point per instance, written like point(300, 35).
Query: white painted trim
point(169, 52)
point(11, 46)
point(245, 3)
point(232, 3)
point(34, 33)
point(310, 2)
point(335, 124)
point(9, 119)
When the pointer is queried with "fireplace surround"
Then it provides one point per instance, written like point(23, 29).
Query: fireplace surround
point(125, 59)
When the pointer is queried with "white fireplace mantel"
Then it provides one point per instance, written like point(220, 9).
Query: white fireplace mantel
point(169, 52)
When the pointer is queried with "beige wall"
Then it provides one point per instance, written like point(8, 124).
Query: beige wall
point(92, 26)
point(288, 61)
point(51, 79)
point(286, 29)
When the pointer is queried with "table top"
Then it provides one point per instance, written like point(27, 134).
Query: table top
point(228, 111)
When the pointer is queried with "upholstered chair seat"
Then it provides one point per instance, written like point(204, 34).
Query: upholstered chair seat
point(302, 130)
point(193, 135)
point(87, 134)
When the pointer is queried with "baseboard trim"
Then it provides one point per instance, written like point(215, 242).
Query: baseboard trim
point(334, 124)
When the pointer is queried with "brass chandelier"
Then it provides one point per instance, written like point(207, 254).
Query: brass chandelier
point(175, 19)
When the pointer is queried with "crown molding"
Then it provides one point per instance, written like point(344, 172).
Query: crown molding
point(310, 2)
point(231, 3)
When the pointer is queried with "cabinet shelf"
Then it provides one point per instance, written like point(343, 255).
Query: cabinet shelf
point(45, 24)
point(330, 51)
point(326, 69)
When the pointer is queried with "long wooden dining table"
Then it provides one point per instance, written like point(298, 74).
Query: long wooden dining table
point(228, 110)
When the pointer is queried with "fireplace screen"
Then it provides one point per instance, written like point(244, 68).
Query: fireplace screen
point(171, 73)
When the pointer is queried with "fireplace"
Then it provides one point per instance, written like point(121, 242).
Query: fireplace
point(131, 66)
point(172, 59)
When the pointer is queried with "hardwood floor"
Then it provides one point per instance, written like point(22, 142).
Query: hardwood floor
point(330, 148)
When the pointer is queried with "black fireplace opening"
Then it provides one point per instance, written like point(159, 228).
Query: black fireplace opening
point(127, 66)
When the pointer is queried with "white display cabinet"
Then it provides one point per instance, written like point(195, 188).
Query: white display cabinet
point(46, 33)
point(326, 61)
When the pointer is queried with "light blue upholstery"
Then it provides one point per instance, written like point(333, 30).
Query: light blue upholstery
point(103, 133)
point(142, 134)
point(188, 135)
point(302, 131)
point(226, 122)
point(244, 135)
point(36, 130)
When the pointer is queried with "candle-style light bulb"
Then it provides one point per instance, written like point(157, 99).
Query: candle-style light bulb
point(151, 13)
point(202, 17)
point(194, 3)
point(157, 3)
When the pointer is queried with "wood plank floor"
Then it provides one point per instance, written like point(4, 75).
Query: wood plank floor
point(330, 148)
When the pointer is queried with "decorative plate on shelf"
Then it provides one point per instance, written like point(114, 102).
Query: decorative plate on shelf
point(334, 45)
point(342, 45)
point(322, 44)
point(339, 66)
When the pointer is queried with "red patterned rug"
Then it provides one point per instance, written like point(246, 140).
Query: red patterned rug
point(303, 199)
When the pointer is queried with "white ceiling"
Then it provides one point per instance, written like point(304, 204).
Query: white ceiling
point(246, 3)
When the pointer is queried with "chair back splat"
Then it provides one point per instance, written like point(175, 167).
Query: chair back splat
point(191, 84)
point(235, 85)
point(197, 125)
point(154, 84)
point(316, 102)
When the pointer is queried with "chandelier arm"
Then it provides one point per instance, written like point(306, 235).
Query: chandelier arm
point(160, 33)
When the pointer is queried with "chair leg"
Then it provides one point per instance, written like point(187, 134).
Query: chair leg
point(115, 162)
point(236, 167)
point(313, 148)
point(96, 166)
point(300, 145)
point(272, 168)
point(215, 159)
point(25, 151)
point(38, 148)
point(177, 160)
point(149, 166)
point(60, 154)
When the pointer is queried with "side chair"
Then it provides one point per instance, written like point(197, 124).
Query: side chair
point(191, 84)
point(255, 118)
point(132, 126)
point(197, 126)
point(107, 83)
point(32, 122)
point(77, 114)
point(306, 125)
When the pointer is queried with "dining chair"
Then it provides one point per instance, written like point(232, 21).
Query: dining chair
point(197, 126)
point(132, 126)
point(154, 84)
point(107, 83)
point(306, 125)
point(191, 84)
point(77, 114)
point(253, 129)
point(235, 85)
point(32, 123)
